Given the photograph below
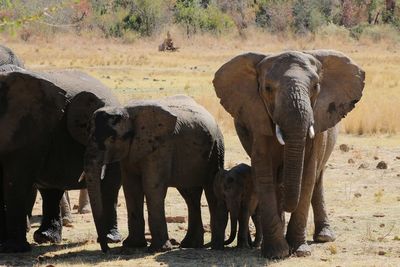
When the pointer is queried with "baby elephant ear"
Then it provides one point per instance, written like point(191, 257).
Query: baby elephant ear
point(341, 86)
point(236, 84)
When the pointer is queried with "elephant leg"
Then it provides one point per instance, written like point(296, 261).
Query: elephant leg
point(65, 208)
point(84, 203)
point(243, 235)
point(155, 196)
point(274, 245)
point(3, 230)
point(296, 230)
point(323, 231)
point(29, 207)
point(110, 188)
point(134, 196)
point(15, 187)
point(218, 217)
point(50, 229)
point(195, 235)
point(257, 223)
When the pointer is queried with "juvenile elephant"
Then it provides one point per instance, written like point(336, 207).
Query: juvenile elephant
point(235, 187)
point(285, 107)
point(43, 134)
point(171, 142)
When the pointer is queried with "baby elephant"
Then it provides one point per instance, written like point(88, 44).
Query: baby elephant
point(235, 188)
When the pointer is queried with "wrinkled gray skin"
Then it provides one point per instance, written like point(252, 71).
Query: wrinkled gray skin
point(295, 99)
point(235, 188)
point(43, 127)
point(171, 142)
point(8, 57)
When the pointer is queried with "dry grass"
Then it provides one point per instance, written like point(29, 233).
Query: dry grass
point(139, 71)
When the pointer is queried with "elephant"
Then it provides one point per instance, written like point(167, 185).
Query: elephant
point(285, 108)
point(8, 57)
point(235, 188)
point(43, 134)
point(169, 142)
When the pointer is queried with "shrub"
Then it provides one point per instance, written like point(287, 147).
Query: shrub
point(194, 17)
point(276, 16)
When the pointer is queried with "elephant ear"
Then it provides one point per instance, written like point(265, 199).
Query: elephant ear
point(152, 125)
point(79, 113)
point(341, 88)
point(30, 107)
point(236, 84)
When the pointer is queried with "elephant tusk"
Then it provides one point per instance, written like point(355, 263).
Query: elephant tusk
point(279, 136)
point(82, 177)
point(311, 132)
point(103, 172)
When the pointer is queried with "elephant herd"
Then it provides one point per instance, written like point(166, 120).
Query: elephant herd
point(65, 130)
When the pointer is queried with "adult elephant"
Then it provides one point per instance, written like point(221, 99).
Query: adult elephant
point(8, 57)
point(43, 133)
point(171, 142)
point(285, 107)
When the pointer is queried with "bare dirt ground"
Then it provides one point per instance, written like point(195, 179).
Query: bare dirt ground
point(363, 201)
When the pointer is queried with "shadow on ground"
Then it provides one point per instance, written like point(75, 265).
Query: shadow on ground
point(207, 257)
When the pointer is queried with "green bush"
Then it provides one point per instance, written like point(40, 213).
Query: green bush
point(197, 17)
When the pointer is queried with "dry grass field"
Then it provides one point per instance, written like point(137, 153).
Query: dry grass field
point(363, 201)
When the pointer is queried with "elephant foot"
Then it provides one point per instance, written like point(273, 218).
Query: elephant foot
point(12, 246)
point(114, 236)
point(192, 242)
point(84, 209)
point(302, 250)
point(325, 234)
point(50, 235)
point(130, 242)
point(67, 220)
point(243, 244)
point(277, 249)
point(159, 247)
point(257, 243)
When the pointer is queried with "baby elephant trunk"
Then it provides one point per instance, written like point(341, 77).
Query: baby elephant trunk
point(234, 219)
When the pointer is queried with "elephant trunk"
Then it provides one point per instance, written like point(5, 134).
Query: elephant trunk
point(296, 125)
point(232, 235)
point(93, 172)
point(292, 173)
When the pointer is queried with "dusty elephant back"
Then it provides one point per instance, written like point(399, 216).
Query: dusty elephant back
point(7, 56)
point(75, 82)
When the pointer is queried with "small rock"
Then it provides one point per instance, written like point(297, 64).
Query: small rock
point(382, 225)
point(363, 165)
point(351, 161)
point(398, 175)
point(357, 195)
point(344, 148)
point(181, 227)
point(378, 215)
point(175, 219)
point(397, 157)
point(381, 253)
point(75, 207)
point(376, 157)
point(382, 165)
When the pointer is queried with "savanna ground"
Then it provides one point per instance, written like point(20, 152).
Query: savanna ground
point(363, 202)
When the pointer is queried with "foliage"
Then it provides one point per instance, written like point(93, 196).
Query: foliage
point(132, 19)
point(196, 16)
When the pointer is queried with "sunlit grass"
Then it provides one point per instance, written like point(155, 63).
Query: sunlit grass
point(139, 71)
